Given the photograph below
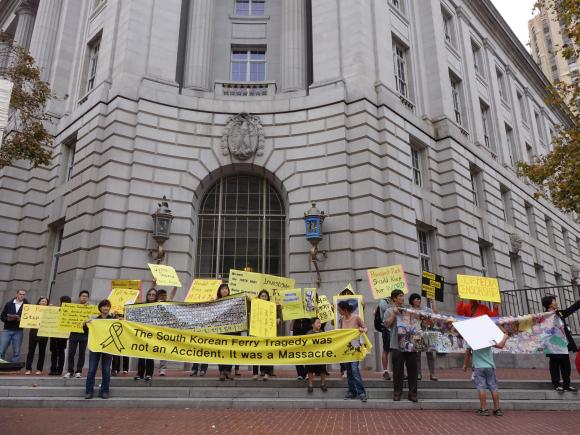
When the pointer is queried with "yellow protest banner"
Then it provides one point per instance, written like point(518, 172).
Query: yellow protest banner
point(203, 290)
point(479, 288)
point(325, 310)
point(126, 283)
point(252, 283)
point(165, 275)
point(49, 324)
point(121, 337)
point(354, 300)
point(263, 318)
point(72, 316)
point(119, 297)
point(386, 279)
point(30, 317)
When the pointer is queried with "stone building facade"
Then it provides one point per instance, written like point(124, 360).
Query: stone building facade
point(401, 119)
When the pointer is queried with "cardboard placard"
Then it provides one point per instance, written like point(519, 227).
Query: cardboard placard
point(119, 297)
point(263, 318)
point(72, 316)
point(126, 283)
point(203, 290)
point(432, 286)
point(49, 324)
point(479, 332)
point(325, 310)
point(165, 275)
point(478, 288)
point(31, 315)
point(384, 280)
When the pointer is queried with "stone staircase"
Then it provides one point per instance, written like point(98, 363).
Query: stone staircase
point(186, 392)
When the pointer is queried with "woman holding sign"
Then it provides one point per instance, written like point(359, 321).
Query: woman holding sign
point(225, 369)
point(34, 340)
point(266, 371)
point(95, 357)
point(145, 366)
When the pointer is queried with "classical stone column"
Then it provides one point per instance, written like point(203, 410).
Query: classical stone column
point(293, 48)
point(199, 46)
point(43, 43)
point(25, 25)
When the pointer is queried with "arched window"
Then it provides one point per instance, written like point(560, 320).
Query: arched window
point(241, 224)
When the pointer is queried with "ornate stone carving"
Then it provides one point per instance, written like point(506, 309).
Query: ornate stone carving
point(243, 136)
point(516, 242)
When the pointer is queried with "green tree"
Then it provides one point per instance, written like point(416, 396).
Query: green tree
point(558, 172)
point(27, 137)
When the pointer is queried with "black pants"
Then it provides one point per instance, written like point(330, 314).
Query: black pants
point(34, 340)
point(264, 370)
point(145, 367)
point(196, 366)
point(560, 364)
point(75, 340)
point(116, 367)
point(224, 368)
point(301, 371)
point(57, 361)
point(399, 361)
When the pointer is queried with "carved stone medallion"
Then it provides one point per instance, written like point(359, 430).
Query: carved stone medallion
point(243, 136)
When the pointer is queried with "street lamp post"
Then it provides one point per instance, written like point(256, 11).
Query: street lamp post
point(161, 227)
point(313, 220)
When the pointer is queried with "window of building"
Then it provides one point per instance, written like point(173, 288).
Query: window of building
point(506, 199)
point(566, 238)
point(456, 97)
point(530, 153)
point(540, 276)
point(423, 238)
point(523, 108)
point(241, 224)
point(477, 59)
point(550, 231)
point(400, 54)
point(486, 123)
point(93, 61)
point(56, 232)
point(540, 126)
point(476, 185)
point(248, 65)
point(68, 158)
point(559, 280)
point(250, 7)
point(512, 150)
point(483, 260)
point(531, 217)
point(448, 26)
point(502, 87)
point(417, 164)
point(399, 5)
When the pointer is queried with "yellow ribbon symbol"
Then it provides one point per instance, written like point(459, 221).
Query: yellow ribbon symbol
point(115, 331)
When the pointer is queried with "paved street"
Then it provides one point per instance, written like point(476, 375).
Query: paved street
point(146, 421)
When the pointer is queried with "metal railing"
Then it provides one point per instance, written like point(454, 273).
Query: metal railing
point(523, 301)
point(245, 89)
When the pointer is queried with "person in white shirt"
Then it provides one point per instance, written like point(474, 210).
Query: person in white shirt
point(12, 331)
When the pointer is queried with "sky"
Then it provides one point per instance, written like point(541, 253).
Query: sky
point(517, 14)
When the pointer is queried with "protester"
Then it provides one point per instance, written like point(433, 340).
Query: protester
point(162, 297)
point(57, 348)
point(415, 302)
point(225, 369)
point(95, 357)
point(400, 358)
point(349, 320)
point(13, 333)
point(484, 376)
point(33, 341)
point(560, 364)
point(300, 327)
point(316, 369)
point(116, 365)
point(146, 366)
point(386, 337)
point(347, 291)
point(202, 368)
point(266, 371)
point(472, 308)
point(80, 340)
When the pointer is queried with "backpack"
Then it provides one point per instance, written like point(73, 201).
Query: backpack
point(379, 324)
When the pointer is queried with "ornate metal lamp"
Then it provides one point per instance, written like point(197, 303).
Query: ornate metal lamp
point(161, 227)
point(313, 220)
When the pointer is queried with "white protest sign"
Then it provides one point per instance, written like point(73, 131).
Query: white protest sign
point(479, 332)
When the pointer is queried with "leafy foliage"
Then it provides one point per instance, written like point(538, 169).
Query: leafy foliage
point(558, 172)
point(27, 137)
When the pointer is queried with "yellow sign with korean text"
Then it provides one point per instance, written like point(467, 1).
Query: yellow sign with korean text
point(325, 309)
point(478, 288)
point(292, 304)
point(165, 275)
point(126, 283)
point(121, 337)
point(203, 290)
point(49, 324)
point(119, 297)
point(72, 316)
point(31, 314)
point(263, 318)
point(386, 279)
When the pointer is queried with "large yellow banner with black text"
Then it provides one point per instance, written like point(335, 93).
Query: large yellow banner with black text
point(121, 337)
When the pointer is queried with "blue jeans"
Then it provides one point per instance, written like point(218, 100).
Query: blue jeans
point(14, 336)
point(106, 360)
point(355, 385)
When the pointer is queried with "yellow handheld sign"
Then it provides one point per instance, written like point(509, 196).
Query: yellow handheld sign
point(203, 290)
point(386, 279)
point(165, 275)
point(479, 288)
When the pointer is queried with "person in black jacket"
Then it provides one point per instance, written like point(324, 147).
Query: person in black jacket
point(560, 364)
point(33, 341)
point(57, 348)
point(12, 331)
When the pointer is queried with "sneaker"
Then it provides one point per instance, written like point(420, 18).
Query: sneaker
point(482, 412)
point(162, 372)
point(104, 395)
point(363, 398)
point(38, 372)
point(137, 378)
point(237, 373)
point(311, 389)
point(498, 412)
point(27, 372)
point(114, 373)
point(324, 388)
point(255, 377)
point(193, 373)
point(419, 377)
point(88, 396)
point(299, 378)
point(147, 378)
point(343, 375)
point(571, 389)
point(202, 373)
point(67, 375)
point(348, 396)
point(434, 378)
point(559, 389)
point(78, 375)
point(125, 372)
point(266, 376)
point(386, 376)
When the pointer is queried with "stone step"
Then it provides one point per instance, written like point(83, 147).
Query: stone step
point(271, 393)
point(268, 403)
point(250, 383)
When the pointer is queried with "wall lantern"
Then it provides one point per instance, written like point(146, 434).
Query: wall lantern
point(161, 227)
point(313, 220)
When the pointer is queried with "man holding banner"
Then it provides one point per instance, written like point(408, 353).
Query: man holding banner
point(77, 339)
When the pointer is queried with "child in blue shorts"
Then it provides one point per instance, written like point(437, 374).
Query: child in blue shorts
point(484, 376)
